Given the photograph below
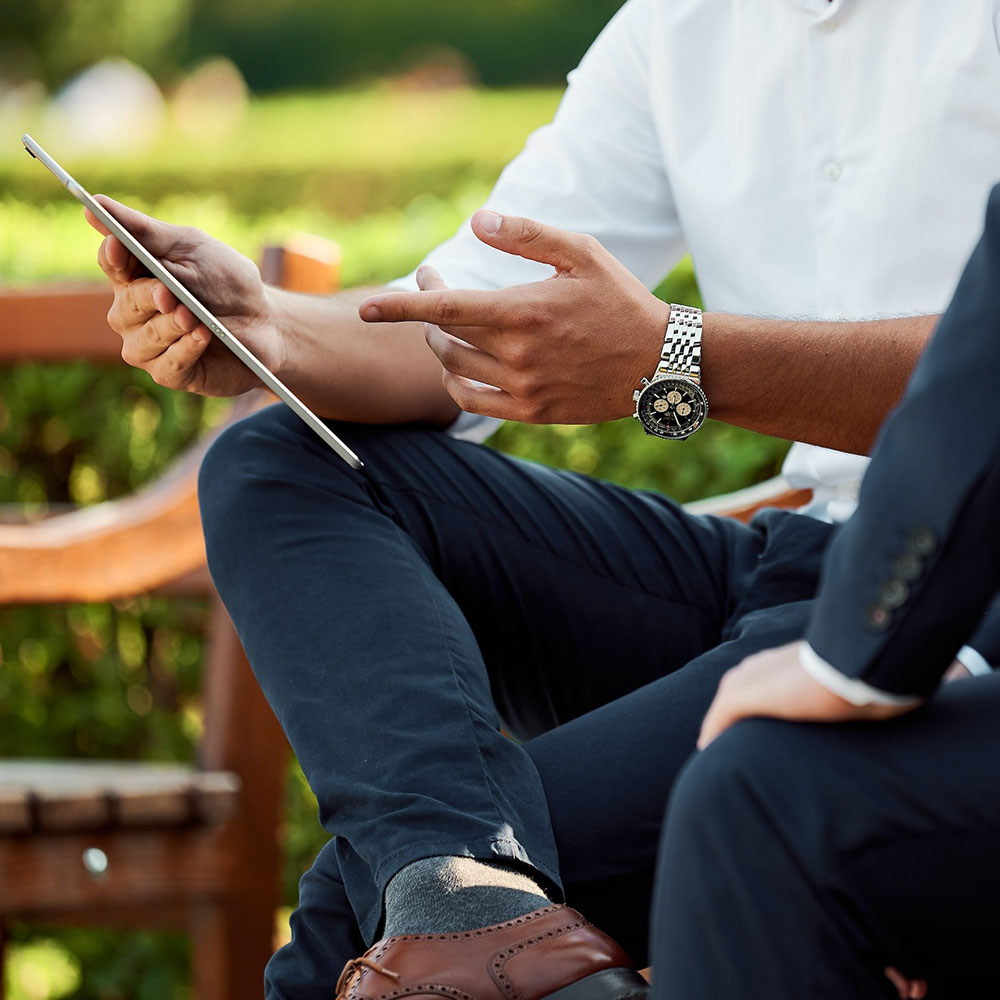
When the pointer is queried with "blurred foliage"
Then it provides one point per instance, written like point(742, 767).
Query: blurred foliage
point(343, 154)
point(55, 38)
point(281, 44)
point(88, 965)
point(122, 680)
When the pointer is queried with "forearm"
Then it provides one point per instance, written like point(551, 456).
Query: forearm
point(349, 370)
point(830, 384)
point(573, 348)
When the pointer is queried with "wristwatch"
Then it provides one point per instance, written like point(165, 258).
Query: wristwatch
point(672, 404)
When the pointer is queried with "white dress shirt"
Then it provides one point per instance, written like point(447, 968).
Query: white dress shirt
point(819, 158)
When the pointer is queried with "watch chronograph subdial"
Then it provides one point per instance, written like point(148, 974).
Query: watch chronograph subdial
point(672, 407)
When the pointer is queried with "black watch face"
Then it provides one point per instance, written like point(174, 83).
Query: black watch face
point(672, 407)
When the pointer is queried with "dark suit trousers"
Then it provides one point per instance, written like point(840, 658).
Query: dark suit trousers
point(801, 860)
point(397, 618)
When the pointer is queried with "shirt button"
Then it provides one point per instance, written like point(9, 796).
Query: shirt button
point(830, 25)
point(832, 171)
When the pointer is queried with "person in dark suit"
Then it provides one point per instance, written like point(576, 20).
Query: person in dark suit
point(862, 860)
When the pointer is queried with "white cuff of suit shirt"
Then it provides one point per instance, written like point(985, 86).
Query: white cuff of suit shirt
point(973, 661)
point(849, 688)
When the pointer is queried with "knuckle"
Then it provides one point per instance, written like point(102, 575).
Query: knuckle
point(128, 354)
point(445, 311)
point(448, 353)
point(529, 386)
point(157, 290)
point(530, 231)
point(189, 238)
point(527, 315)
point(590, 246)
point(519, 354)
point(153, 332)
point(162, 376)
point(171, 374)
point(162, 332)
point(114, 316)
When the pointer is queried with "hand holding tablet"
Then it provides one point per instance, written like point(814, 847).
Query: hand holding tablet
point(233, 296)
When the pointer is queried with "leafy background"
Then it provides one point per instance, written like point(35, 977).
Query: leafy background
point(384, 170)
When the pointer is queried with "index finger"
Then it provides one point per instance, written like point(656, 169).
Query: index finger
point(117, 263)
point(114, 260)
point(94, 221)
point(442, 307)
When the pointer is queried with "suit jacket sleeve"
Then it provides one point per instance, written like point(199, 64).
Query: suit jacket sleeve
point(986, 640)
point(910, 575)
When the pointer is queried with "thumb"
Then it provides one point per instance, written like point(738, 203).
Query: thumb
point(159, 238)
point(533, 240)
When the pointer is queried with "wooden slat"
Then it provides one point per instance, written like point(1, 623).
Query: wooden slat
point(74, 796)
point(305, 263)
point(140, 543)
point(16, 814)
point(58, 322)
point(112, 550)
point(145, 868)
point(741, 505)
point(165, 916)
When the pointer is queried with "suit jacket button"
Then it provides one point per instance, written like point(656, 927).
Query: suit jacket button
point(923, 541)
point(879, 617)
point(894, 594)
point(909, 566)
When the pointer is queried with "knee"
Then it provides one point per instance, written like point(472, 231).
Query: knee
point(724, 785)
point(248, 465)
point(231, 458)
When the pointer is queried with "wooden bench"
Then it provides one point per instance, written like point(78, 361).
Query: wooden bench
point(100, 843)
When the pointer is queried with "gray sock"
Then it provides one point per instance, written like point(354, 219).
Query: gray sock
point(446, 894)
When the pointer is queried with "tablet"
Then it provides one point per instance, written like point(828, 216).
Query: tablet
point(218, 328)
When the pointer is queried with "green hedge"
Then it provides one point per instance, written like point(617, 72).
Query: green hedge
point(306, 44)
point(343, 155)
point(315, 42)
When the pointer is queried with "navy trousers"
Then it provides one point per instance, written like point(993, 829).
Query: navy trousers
point(801, 860)
point(398, 617)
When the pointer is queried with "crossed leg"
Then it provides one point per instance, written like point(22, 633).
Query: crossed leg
point(802, 860)
point(395, 618)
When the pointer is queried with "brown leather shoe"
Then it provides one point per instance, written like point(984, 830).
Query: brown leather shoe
point(550, 954)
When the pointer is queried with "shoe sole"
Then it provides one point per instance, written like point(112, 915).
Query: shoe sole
point(612, 984)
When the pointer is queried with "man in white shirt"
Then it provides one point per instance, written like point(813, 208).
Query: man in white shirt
point(825, 163)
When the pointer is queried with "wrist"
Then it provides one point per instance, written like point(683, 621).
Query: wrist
point(648, 353)
point(671, 403)
point(276, 331)
point(648, 341)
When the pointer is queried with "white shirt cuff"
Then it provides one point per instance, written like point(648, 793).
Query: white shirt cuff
point(973, 661)
point(849, 688)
